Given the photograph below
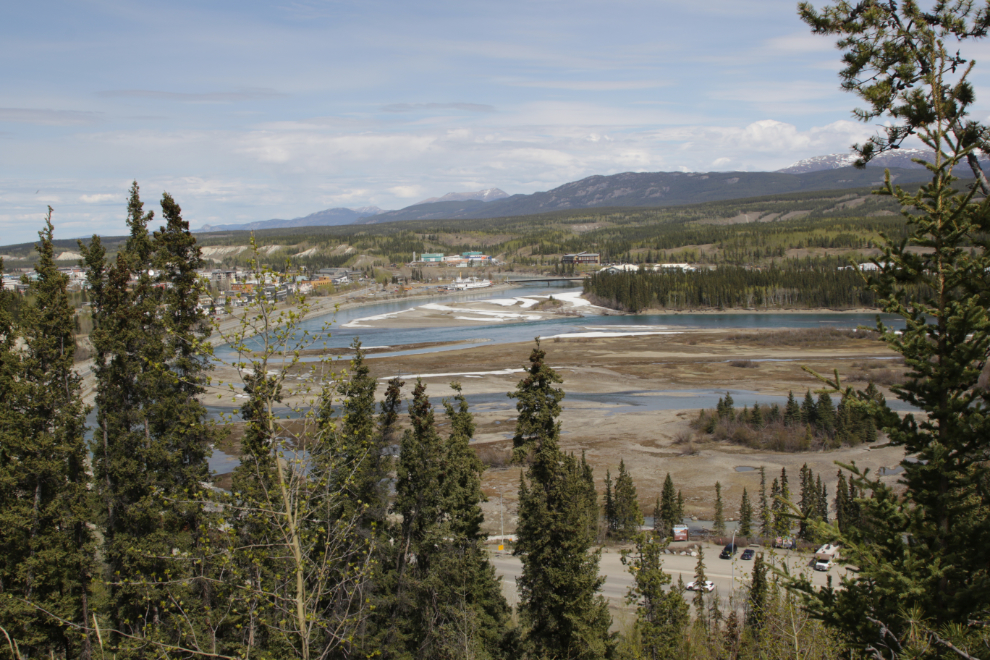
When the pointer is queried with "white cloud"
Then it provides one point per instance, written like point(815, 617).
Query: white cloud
point(406, 191)
point(100, 198)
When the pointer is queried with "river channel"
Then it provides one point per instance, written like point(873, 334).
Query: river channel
point(508, 332)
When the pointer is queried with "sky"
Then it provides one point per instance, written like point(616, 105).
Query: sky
point(246, 110)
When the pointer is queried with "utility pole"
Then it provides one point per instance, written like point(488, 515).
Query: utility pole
point(732, 589)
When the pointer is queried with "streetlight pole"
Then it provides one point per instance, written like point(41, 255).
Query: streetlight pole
point(732, 589)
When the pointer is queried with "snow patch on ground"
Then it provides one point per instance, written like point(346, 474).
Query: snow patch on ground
point(357, 323)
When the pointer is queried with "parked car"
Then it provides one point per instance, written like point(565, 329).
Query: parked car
point(747, 554)
point(707, 586)
point(728, 551)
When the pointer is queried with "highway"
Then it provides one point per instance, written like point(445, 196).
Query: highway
point(725, 574)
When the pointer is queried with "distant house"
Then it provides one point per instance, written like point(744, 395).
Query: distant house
point(582, 258)
point(468, 255)
point(620, 268)
point(687, 268)
point(432, 257)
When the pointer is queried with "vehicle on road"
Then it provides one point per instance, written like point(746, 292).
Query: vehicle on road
point(826, 554)
point(708, 585)
point(747, 554)
point(728, 551)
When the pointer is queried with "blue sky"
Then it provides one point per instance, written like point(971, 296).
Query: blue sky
point(252, 110)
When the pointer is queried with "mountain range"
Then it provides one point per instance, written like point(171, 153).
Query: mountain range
point(829, 172)
point(329, 217)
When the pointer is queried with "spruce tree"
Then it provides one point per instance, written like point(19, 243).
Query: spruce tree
point(562, 614)
point(351, 452)
point(841, 503)
point(47, 561)
point(808, 503)
point(781, 525)
point(718, 525)
point(756, 417)
point(765, 513)
point(611, 519)
point(792, 411)
point(699, 585)
point(661, 613)
point(627, 513)
point(757, 599)
point(458, 608)
point(668, 506)
point(809, 410)
point(128, 342)
point(745, 516)
point(825, 414)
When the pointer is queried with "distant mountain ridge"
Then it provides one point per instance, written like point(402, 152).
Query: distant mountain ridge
point(327, 218)
point(658, 189)
point(899, 158)
point(489, 195)
point(650, 189)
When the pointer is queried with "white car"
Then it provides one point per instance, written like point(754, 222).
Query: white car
point(707, 586)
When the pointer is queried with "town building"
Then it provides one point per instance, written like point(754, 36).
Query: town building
point(582, 258)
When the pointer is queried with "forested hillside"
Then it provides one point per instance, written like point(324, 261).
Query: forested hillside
point(755, 231)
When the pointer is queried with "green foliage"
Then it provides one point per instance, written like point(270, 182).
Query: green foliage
point(561, 612)
point(699, 582)
point(668, 512)
point(622, 513)
point(718, 526)
point(46, 549)
point(814, 425)
point(446, 600)
point(662, 613)
point(728, 287)
point(745, 516)
point(921, 553)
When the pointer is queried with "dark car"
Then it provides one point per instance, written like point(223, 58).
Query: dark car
point(747, 554)
point(728, 551)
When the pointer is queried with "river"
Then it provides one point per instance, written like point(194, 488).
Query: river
point(508, 333)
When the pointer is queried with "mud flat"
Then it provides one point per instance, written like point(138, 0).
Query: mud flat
point(633, 397)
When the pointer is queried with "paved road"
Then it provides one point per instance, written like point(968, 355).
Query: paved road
point(724, 573)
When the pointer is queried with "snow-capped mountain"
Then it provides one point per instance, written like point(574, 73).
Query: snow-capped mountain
point(489, 195)
point(901, 158)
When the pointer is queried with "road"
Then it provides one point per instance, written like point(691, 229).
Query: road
point(724, 573)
